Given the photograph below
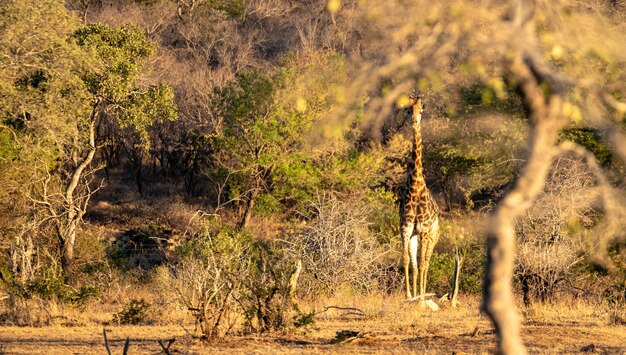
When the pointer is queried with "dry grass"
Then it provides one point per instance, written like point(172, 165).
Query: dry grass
point(387, 325)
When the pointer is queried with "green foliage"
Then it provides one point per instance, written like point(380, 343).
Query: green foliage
point(267, 204)
point(47, 286)
point(440, 272)
point(83, 295)
point(474, 156)
point(122, 53)
point(234, 8)
point(301, 319)
point(58, 82)
point(457, 164)
point(454, 163)
point(615, 295)
point(135, 312)
point(9, 149)
point(493, 94)
point(471, 280)
point(41, 86)
point(207, 275)
point(154, 104)
point(472, 95)
point(270, 121)
point(591, 140)
point(117, 257)
point(73, 69)
point(462, 234)
point(215, 243)
point(384, 219)
point(266, 303)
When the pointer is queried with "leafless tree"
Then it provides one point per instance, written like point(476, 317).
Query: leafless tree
point(204, 287)
point(551, 229)
point(337, 249)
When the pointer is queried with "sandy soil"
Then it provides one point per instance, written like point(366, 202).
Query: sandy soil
point(395, 329)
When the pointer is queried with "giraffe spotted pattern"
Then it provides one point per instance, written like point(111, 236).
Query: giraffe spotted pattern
point(419, 215)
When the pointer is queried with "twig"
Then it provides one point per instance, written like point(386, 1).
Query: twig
point(126, 346)
point(166, 349)
point(106, 341)
point(354, 311)
point(418, 298)
point(193, 336)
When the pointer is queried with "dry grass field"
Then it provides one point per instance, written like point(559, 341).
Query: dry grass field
point(388, 326)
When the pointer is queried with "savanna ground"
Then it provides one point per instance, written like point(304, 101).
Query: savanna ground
point(387, 325)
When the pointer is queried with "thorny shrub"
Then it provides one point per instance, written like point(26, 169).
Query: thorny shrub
point(549, 234)
point(223, 276)
point(338, 249)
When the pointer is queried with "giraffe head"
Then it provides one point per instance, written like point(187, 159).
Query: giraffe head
point(417, 107)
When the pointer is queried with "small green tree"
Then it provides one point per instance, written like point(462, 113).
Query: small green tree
point(267, 121)
point(271, 153)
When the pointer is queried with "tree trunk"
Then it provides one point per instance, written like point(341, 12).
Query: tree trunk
point(547, 121)
point(525, 280)
point(67, 227)
point(67, 257)
point(458, 263)
point(247, 213)
point(293, 281)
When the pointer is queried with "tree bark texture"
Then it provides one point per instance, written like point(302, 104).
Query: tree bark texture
point(458, 264)
point(74, 210)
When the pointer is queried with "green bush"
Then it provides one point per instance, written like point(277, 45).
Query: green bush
point(462, 233)
point(47, 286)
point(440, 272)
point(384, 218)
point(83, 295)
point(591, 140)
point(302, 319)
point(135, 312)
point(471, 279)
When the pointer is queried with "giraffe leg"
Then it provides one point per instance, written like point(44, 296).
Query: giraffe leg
point(431, 240)
point(423, 266)
point(426, 266)
point(426, 254)
point(413, 246)
point(406, 236)
point(429, 253)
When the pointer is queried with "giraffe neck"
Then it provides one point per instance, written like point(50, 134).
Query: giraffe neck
point(416, 182)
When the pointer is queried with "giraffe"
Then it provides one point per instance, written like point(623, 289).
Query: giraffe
point(419, 213)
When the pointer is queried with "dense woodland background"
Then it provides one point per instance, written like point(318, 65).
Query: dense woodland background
point(196, 151)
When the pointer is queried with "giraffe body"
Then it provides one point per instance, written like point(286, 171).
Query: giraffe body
point(419, 215)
